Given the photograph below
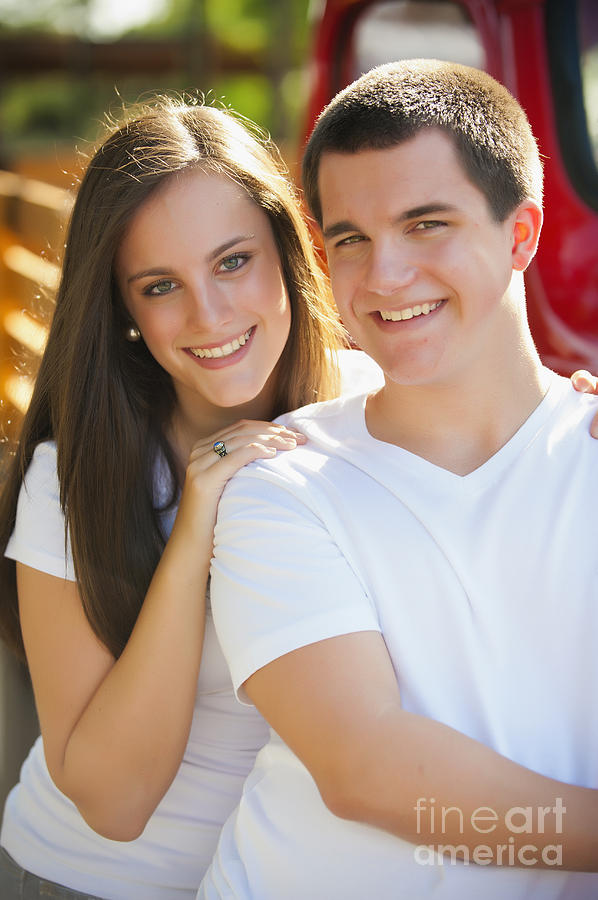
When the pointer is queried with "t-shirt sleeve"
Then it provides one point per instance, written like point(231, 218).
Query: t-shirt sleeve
point(38, 539)
point(279, 579)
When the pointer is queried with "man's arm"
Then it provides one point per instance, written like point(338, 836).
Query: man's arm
point(336, 704)
point(302, 639)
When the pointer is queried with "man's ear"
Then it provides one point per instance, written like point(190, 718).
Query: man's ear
point(527, 224)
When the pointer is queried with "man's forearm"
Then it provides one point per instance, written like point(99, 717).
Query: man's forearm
point(440, 790)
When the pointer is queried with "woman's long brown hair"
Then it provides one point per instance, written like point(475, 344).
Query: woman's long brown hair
point(105, 401)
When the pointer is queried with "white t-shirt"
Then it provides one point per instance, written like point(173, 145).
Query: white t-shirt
point(484, 587)
point(44, 832)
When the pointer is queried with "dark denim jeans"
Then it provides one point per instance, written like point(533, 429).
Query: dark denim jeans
point(17, 884)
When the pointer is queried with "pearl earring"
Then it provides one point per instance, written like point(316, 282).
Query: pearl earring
point(133, 333)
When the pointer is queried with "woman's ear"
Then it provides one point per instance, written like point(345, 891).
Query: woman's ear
point(527, 224)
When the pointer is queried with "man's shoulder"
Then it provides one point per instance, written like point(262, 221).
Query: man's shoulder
point(327, 413)
point(330, 424)
point(327, 426)
point(573, 411)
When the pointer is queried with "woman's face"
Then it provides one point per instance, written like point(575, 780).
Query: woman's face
point(200, 275)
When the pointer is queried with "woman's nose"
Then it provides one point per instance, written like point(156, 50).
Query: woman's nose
point(208, 306)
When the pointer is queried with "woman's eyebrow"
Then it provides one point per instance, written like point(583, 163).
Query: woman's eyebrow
point(147, 273)
point(222, 248)
point(151, 273)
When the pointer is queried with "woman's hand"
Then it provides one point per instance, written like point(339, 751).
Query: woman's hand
point(207, 472)
point(586, 383)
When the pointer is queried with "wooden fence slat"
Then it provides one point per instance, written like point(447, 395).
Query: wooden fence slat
point(32, 221)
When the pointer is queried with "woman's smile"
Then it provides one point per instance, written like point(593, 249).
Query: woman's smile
point(224, 354)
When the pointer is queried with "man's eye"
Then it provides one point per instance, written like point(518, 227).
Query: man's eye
point(428, 224)
point(159, 287)
point(351, 239)
point(232, 263)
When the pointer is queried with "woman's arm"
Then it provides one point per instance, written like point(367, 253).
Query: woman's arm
point(336, 704)
point(115, 731)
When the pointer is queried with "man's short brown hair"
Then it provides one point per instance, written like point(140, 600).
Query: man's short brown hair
point(393, 102)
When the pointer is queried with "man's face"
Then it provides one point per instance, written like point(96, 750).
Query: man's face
point(419, 267)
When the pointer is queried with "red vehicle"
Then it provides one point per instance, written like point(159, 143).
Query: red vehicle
point(546, 53)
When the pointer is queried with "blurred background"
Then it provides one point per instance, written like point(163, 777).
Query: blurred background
point(63, 63)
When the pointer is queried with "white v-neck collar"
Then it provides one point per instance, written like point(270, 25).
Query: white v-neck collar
point(351, 440)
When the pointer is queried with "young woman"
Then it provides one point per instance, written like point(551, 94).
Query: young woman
point(191, 311)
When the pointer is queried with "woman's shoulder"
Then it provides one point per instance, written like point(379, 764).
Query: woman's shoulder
point(38, 539)
point(42, 475)
point(44, 457)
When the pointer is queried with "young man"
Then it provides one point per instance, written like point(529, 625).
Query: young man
point(410, 599)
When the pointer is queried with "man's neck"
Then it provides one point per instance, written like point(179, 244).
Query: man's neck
point(459, 425)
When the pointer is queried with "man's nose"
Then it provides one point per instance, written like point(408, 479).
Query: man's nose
point(390, 268)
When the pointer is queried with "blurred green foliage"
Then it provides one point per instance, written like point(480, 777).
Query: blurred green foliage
point(45, 111)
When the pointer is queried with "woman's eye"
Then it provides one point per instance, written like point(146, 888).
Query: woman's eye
point(159, 287)
point(232, 263)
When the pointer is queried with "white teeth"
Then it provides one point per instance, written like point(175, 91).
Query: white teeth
point(225, 350)
point(397, 315)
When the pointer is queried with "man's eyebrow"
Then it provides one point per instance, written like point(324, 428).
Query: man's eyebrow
point(345, 226)
point(427, 209)
point(338, 228)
